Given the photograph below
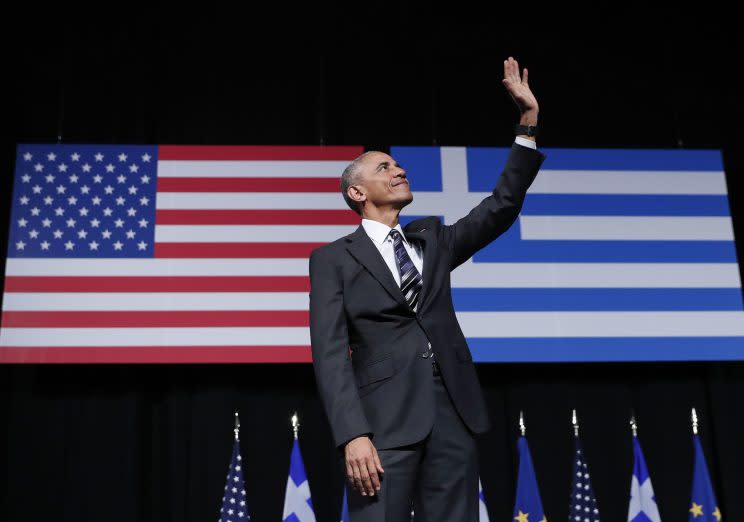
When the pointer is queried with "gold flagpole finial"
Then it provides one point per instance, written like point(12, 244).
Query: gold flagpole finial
point(694, 422)
point(237, 426)
point(575, 422)
point(295, 424)
point(522, 427)
point(633, 424)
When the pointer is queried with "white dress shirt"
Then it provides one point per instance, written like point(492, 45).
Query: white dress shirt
point(380, 235)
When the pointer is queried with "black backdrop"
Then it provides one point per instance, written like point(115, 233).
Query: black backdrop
point(91, 442)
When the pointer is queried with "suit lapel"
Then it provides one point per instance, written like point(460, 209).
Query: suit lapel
point(360, 245)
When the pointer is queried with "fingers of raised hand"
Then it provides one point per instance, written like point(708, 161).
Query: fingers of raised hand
point(511, 70)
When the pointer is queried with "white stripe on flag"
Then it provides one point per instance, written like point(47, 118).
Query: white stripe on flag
point(250, 169)
point(643, 228)
point(596, 275)
point(158, 267)
point(250, 200)
point(228, 336)
point(628, 182)
point(250, 233)
point(601, 324)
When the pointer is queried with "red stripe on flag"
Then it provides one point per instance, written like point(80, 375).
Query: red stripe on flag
point(234, 250)
point(258, 152)
point(248, 185)
point(156, 319)
point(158, 284)
point(157, 354)
point(256, 217)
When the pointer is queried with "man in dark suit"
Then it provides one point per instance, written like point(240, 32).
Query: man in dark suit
point(405, 405)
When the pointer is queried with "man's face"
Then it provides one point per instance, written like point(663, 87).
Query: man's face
point(384, 181)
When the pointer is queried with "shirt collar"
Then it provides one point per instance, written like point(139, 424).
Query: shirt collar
point(378, 232)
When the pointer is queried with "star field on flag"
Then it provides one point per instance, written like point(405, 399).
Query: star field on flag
point(234, 507)
point(84, 201)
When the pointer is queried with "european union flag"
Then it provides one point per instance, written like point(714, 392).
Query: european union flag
point(703, 507)
point(527, 506)
point(642, 506)
point(298, 506)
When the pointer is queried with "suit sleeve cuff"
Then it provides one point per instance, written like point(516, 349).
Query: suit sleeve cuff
point(525, 142)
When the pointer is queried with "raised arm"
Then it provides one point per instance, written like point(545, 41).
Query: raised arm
point(496, 213)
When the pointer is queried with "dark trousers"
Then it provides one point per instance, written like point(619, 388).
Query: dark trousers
point(436, 477)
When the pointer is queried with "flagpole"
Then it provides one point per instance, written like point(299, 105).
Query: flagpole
point(694, 419)
point(575, 422)
point(633, 424)
point(295, 424)
point(522, 427)
point(237, 426)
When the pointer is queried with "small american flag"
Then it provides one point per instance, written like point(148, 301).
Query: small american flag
point(234, 508)
point(582, 504)
point(144, 253)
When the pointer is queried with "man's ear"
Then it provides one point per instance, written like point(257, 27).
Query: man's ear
point(356, 194)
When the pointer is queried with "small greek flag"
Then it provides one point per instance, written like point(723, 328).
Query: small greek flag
point(298, 506)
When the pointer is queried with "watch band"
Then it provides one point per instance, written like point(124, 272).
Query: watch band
point(529, 130)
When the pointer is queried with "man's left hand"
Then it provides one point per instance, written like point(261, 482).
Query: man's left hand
point(519, 89)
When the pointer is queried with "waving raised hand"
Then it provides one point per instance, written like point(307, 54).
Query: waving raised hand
point(518, 87)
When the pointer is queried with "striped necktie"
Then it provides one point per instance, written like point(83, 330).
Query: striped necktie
point(410, 279)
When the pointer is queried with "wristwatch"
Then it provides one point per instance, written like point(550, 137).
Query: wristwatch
point(529, 130)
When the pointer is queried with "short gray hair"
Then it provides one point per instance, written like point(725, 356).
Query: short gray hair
point(352, 175)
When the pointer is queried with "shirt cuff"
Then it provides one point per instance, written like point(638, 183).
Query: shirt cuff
point(524, 141)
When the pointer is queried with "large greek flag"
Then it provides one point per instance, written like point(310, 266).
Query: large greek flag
point(617, 255)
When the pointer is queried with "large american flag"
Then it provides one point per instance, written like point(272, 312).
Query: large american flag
point(127, 253)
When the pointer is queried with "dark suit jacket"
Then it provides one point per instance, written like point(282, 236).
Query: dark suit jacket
point(385, 387)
